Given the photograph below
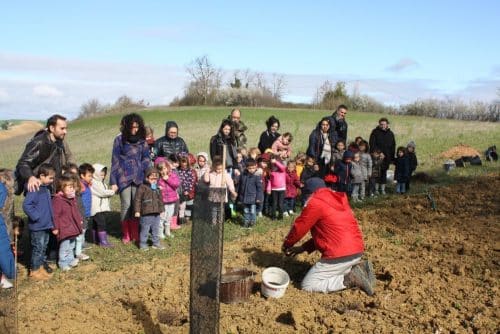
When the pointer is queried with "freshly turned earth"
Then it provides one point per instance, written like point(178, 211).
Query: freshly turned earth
point(437, 271)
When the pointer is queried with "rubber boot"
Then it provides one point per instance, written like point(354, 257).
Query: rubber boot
point(125, 232)
point(173, 223)
point(367, 266)
point(357, 278)
point(103, 239)
point(134, 229)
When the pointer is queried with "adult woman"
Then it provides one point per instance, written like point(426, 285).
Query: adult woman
point(129, 160)
point(225, 138)
point(321, 145)
point(268, 137)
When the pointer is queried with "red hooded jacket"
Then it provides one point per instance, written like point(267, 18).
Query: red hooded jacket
point(335, 231)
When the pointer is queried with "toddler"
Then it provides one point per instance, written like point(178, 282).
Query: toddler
point(357, 177)
point(218, 178)
point(343, 172)
point(282, 146)
point(412, 157)
point(276, 187)
point(377, 169)
point(188, 179)
point(250, 193)
point(366, 166)
point(85, 172)
point(100, 205)
point(402, 171)
point(292, 184)
point(168, 183)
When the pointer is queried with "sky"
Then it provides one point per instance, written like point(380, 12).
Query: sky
point(57, 55)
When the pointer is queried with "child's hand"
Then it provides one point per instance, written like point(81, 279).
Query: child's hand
point(137, 214)
point(114, 187)
point(273, 160)
point(234, 195)
point(55, 232)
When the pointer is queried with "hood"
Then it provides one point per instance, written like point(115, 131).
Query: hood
point(170, 124)
point(334, 199)
point(98, 168)
point(411, 144)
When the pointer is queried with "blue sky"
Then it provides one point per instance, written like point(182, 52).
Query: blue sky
point(56, 55)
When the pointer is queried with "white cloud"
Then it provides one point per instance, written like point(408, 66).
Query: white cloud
point(46, 91)
point(402, 64)
point(4, 96)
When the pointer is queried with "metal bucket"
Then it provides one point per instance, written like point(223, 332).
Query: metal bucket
point(236, 286)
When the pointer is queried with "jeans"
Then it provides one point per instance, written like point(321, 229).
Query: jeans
point(165, 219)
point(355, 190)
point(150, 222)
point(326, 276)
point(216, 213)
point(7, 263)
point(39, 242)
point(126, 198)
point(401, 187)
point(289, 204)
point(278, 199)
point(79, 240)
point(66, 254)
point(249, 214)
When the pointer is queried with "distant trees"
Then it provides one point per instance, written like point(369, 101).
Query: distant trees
point(123, 104)
point(245, 88)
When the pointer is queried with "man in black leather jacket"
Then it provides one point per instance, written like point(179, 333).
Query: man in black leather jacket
point(170, 143)
point(338, 124)
point(46, 146)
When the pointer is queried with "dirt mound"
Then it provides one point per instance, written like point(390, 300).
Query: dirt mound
point(437, 271)
point(459, 151)
point(22, 128)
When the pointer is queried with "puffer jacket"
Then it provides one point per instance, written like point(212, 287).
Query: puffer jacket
point(334, 229)
point(67, 217)
point(165, 145)
point(277, 179)
point(148, 201)
point(292, 184)
point(356, 172)
point(250, 188)
point(169, 188)
point(100, 191)
point(402, 171)
point(38, 207)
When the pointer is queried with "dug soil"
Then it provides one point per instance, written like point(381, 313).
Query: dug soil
point(437, 271)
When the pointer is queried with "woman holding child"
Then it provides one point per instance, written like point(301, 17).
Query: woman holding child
point(321, 145)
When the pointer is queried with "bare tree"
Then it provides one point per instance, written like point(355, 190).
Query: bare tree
point(206, 79)
point(91, 108)
point(278, 86)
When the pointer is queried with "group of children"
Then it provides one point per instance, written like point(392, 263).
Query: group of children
point(59, 215)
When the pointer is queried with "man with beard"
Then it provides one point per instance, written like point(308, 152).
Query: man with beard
point(338, 124)
point(46, 146)
point(239, 128)
point(382, 138)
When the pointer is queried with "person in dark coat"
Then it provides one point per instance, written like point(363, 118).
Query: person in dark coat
point(338, 123)
point(170, 143)
point(343, 172)
point(402, 172)
point(225, 138)
point(412, 156)
point(268, 137)
point(382, 138)
point(239, 127)
point(250, 193)
point(321, 145)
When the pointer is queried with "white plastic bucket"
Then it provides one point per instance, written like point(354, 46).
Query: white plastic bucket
point(274, 282)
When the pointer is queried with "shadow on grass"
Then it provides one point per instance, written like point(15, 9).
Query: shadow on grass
point(296, 269)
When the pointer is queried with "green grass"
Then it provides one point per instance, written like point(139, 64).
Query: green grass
point(91, 141)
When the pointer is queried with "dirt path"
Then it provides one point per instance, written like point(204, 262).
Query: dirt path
point(23, 128)
point(437, 271)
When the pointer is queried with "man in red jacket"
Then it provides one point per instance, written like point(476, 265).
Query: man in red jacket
point(336, 234)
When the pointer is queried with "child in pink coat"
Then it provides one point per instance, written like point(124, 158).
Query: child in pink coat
point(168, 183)
point(276, 187)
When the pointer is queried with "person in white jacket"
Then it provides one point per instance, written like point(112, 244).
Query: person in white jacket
point(100, 205)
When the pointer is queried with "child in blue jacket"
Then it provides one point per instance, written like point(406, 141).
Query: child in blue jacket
point(250, 193)
point(38, 207)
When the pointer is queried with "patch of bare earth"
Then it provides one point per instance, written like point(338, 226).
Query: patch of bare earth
point(437, 271)
point(23, 128)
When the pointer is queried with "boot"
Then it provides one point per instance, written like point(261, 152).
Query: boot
point(95, 239)
point(161, 230)
point(103, 239)
point(367, 266)
point(38, 275)
point(133, 226)
point(6, 283)
point(45, 273)
point(173, 223)
point(125, 232)
point(166, 228)
point(357, 278)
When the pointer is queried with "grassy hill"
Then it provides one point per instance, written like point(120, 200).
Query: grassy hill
point(91, 139)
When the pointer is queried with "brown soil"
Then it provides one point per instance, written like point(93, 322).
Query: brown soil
point(23, 128)
point(437, 271)
point(460, 151)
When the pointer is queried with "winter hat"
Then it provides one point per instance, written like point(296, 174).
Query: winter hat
point(203, 154)
point(412, 144)
point(265, 157)
point(170, 124)
point(348, 155)
point(314, 183)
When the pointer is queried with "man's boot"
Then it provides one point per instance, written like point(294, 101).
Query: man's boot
point(367, 267)
point(357, 278)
